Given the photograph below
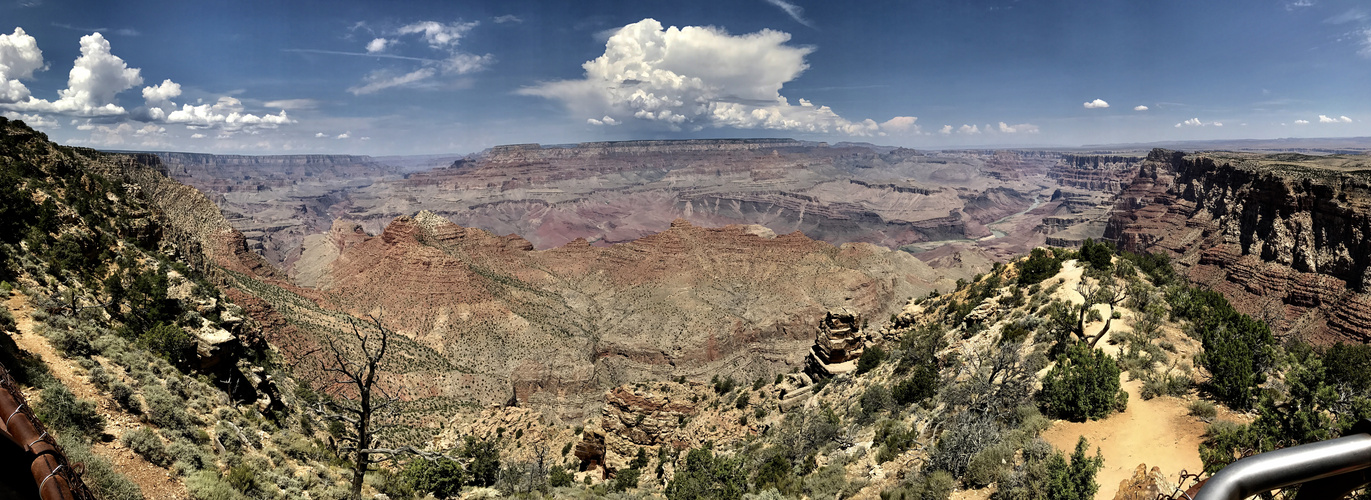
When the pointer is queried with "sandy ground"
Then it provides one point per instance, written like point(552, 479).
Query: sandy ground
point(1158, 433)
point(154, 481)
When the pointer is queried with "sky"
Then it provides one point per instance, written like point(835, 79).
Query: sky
point(396, 78)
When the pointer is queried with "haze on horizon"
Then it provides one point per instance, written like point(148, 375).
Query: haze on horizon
point(258, 77)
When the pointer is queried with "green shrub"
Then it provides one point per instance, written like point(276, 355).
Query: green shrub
point(207, 485)
point(123, 395)
point(625, 480)
point(921, 385)
point(1039, 266)
point(558, 477)
point(875, 399)
point(1223, 440)
point(871, 358)
point(723, 385)
point(742, 401)
point(828, 482)
point(100, 475)
point(145, 442)
point(1203, 409)
point(168, 341)
point(61, 410)
point(776, 472)
point(1074, 480)
point(935, 485)
point(989, 465)
point(1097, 255)
point(442, 477)
point(1084, 385)
point(167, 410)
point(244, 479)
point(705, 475)
point(1238, 350)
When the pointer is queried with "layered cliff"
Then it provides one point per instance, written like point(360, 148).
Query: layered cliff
point(557, 327)
point(1283, 236)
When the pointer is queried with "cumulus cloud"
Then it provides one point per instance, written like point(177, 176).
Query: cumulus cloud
point(344, 135)
point(1139, 108)
point(19, 58)
point(794, 11)
point(696, 77)
point(35, 121)
point(1340, 119)
point(896, 124)
point(946, 130)
point(608, 120)
point(125, 135)
point(318, 134)
point(197, 135)
point(1097, 103)
point(968, 130)
point(1301, 122)
point(227, 115)
point(95, 77)
point(1025, 128)
point(377, 45)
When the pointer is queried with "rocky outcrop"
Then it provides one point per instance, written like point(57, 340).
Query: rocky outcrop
point(837, 345)
point(1284, 237)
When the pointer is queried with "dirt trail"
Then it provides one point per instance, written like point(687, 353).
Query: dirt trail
point(154, 481)
point(1158, 433)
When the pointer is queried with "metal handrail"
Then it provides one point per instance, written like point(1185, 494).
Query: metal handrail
point(1333, 468)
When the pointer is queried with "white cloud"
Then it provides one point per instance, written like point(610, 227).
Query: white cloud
point(896, 124)
point(608, 120)
point(35, 121)
point(289, 104)
point(1218, 124)
point(19, 58)
point(163, 92)
point(1301, 122)
point(318, 134)
point(1340, 119)
point(1365, 43)
point(696, 77)
point(96, 76)
point(126, 134)
point(227, 115)
point(1097, 103)
point(507, 18)
point(1026, 128)
point(197, 135)
point(946, 130)
point(1193, 122)
point(794, 11)
point(377, 45)
point(381, 80)
point(344, 135)
point(1139, 108)
point(968, 130)
point(439, 35)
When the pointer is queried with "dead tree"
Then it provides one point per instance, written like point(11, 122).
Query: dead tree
point(349, 371)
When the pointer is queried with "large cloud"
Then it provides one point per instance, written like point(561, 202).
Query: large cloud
point(19, 58)
point(227, 114)
point(96, 76)
point(1328, 119)
point(697, 77)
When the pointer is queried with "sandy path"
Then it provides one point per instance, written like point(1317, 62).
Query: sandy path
point(154, 481)
point(1158, 433)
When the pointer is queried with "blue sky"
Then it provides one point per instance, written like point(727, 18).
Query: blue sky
point(435, 77)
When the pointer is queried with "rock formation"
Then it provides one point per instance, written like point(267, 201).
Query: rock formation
point(1282, 236)
point(837, 345)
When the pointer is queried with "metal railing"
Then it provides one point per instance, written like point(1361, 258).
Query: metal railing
point(1325, 470)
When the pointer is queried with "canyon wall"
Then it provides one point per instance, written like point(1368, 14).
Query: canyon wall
point(1283, 236)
